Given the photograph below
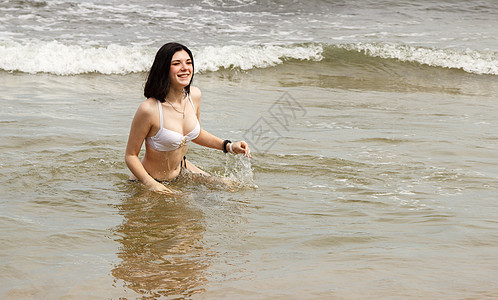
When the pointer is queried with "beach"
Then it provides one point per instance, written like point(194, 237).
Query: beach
point(373, 128)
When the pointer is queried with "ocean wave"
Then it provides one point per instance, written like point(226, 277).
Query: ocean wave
point(61, 59)
point(468, 60)
point(246, 58)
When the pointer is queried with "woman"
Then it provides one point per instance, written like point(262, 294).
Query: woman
point(168, 120)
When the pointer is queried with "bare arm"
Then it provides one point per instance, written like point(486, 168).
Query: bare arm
point(140, 128)
point(207, 139)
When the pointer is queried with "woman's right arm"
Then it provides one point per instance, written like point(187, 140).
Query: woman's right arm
point(140, 128)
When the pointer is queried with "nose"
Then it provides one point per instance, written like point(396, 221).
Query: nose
point(184, 66)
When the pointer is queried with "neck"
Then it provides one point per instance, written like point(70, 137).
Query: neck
point(175, 95)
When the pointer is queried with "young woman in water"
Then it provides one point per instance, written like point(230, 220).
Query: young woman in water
point(168, 120)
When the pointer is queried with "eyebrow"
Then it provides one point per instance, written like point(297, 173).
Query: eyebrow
point(178, 60)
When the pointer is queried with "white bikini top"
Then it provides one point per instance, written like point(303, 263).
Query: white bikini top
point(168, 140)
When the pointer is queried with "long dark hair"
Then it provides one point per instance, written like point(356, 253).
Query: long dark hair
point(158, 84)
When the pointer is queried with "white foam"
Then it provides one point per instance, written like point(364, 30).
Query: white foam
point(247, 57)
point(61, 59)
point(57, 58)
point(472, 61)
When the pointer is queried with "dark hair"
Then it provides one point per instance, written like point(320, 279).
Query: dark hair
point(158, 83)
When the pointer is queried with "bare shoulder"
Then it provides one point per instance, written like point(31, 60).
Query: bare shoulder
point(149, 106)
point(195, 91)
point(196, 94)
point(147, 109)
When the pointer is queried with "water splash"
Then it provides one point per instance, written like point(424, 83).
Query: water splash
point(239, 169)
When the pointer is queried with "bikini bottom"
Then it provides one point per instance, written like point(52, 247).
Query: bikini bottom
point(183, 165)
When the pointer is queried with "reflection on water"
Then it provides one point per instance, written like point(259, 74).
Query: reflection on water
point(161, 246)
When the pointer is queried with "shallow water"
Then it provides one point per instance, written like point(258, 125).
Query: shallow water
point(380, 191)
point(373, 129)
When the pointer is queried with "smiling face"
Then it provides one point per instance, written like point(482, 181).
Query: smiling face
point(181, 69)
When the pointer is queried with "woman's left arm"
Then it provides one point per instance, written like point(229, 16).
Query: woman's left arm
point(207, 139)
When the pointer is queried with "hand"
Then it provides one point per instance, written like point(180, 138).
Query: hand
point(241, 148)
point(160, 188)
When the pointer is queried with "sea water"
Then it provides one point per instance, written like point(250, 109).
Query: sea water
point(373, 126)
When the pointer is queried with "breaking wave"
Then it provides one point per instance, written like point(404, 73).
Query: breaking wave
point(61, 59)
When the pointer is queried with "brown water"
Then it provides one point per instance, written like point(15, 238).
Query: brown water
point(371, 186)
